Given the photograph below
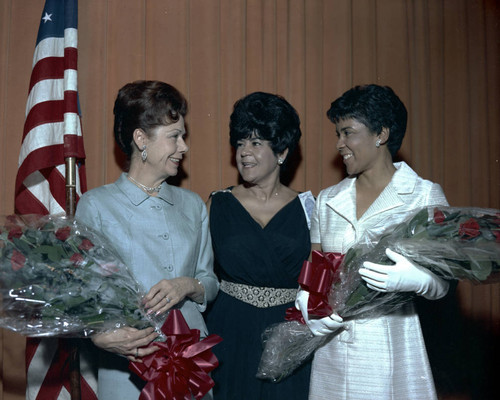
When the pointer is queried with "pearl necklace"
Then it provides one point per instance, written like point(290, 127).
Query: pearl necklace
point(147, 189)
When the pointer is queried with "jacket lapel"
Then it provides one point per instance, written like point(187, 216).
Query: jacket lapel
point(395, 194)
point(342, 197)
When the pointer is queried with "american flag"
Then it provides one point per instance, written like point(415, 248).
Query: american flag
point(52, 132)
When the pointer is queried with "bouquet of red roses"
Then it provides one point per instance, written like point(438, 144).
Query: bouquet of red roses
point(59, 278)
point(454, 243)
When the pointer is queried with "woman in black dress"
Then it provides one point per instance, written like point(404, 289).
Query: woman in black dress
point(260, 236)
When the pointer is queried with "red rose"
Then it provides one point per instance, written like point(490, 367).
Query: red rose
point(438, 216)
point(469, 229)
point(63, 233)
point(86, 245)
point(17, 260)
point(76, 259)
point(15, 232)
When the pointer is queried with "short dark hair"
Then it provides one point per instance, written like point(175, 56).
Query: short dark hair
point(270, 117)
point(145, 105)
point(376, 107)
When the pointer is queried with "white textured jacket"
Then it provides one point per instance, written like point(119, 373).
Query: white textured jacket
point(382, 357)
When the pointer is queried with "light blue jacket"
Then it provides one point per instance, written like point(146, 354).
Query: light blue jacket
point(161, 237)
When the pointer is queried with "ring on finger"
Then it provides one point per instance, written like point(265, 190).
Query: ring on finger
point(167, 299)
point(136, 352)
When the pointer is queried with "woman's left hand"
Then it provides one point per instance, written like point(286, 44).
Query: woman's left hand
point(403, 276)
point(168, 292)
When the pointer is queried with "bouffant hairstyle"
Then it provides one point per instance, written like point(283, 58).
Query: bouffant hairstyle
point(376, 107)
point(145, 105)
point(267, 116)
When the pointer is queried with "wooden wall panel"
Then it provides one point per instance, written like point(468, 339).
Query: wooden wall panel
point(268, 46)
point(254, 37)
point(283, 45)
point(313, 114)
point(166, 50)
point(16, 72)
point(492, 56)
point(477, 129)
point(233, 20)
point(5, 146)
point(93, 90)
point(203, 95)
point(421, 149)
point(364, 42)
point(338, 76)
point(392, 60)
point(296, 72)
point(457, 173)
point(125, 44)
point(442, 57)
point(415, 143)
point(434, 13)
point(4, 191)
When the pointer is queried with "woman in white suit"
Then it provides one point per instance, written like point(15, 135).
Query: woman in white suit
point(382, 357)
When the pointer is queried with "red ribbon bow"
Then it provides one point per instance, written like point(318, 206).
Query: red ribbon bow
point(180, 368)
point(317, 277)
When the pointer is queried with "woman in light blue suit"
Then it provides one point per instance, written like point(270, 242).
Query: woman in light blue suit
point(160, 231)
point(381, 357)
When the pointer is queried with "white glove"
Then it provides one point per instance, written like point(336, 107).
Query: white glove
point(318, 327)
point(404, 276)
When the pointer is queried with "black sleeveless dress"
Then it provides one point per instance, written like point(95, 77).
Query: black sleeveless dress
point(272, 257)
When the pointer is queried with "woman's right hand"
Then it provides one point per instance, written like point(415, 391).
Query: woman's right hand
point(320, 326)
point(127, 341)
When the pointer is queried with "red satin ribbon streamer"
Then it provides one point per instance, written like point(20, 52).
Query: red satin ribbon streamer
point(179, 370)
point(317, 277)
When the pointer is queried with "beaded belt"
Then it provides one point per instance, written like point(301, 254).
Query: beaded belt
point(257, 296)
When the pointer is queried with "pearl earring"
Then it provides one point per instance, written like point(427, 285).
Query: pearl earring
point(377, 143)
point(280, 161)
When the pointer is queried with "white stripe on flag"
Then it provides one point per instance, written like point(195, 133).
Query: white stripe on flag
point(40, 188)
point(52, 89)
point(50, 47)
point(72, 124)
point(46, 90)
point(70, 37)
point(54, 47)
point(39, 366)
point(70, 80)
point(42, 136)
point(50, 134)
point(78, 187)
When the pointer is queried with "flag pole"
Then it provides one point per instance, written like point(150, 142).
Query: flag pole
point(74, 353)
point(70, 186)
